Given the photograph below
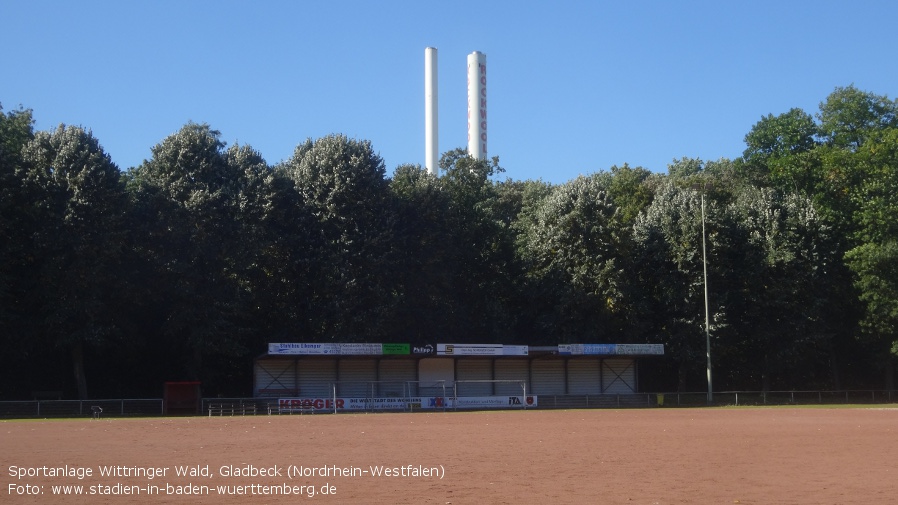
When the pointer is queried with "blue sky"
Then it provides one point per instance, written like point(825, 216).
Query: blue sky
point(574, 87)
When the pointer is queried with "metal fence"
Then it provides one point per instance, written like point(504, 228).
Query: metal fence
point(81, 408)
point(256, 406)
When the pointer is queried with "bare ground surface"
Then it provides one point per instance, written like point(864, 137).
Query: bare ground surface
point(651, 456)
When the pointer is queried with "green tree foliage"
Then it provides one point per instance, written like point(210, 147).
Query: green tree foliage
point(776, 137)
point(281, 263)
point(574, 253)
point(17, 224)
point(16, 130)
point(684, 168)
point(630, 190)
point(873, 189)
point(342, 183)
point(876, 268)
point(847, 176)
point(787, 257)
point(80, 203)
point(193, 198)
point(479, 251)
point(424, 296)
point(668, 237)
point(190, 263)
point(873, 259)
point(769, 259)
point(849, 116)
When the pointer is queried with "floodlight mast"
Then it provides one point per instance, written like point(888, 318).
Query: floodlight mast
point(707, 311)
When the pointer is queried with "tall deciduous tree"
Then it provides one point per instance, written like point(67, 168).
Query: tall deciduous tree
point(576, 249)
point(772, 137)
point(630, 191)
point(479, 251)
point(876, 270)
point(874, 259)
point(193, 197)
point(79, 200)
point(423, 300)
point(17, 225)
point(849, 116)
point(280, 264)
point(16, 130)
point(342, 183)
point(668, 238)
point(787, 259)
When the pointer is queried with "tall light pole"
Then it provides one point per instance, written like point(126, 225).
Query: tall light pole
point(707, 311)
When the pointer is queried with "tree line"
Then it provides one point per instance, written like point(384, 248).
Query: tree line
point(186, 266)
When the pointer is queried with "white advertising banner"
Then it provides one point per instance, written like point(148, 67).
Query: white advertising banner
point(481, 350)
point(346, 404)
point(611, 349)
point(363, 349)
point(286, 405)
point(480, 402)
point(635, 349)
point(588, 349)
point(328, 349)
point(303, 349)
point(515, 350)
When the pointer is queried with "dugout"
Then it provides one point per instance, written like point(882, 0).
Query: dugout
point(466, 370)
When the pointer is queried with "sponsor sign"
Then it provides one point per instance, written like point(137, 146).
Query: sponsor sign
point(303, 349)
point(300, 404)
point(481, 350)
point(588, 349)
point(439, 402)
point(469, 349)
point(479, 402)
point(646, 349)
point(515, 350)
point(345, 349)
point(346, 404)
point(426, 350)
point(380, 403)
point(361, 349)
point(611, 349)
point(396, 349)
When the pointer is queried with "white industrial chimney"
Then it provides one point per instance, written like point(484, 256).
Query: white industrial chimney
point(431, 112)
point(477, 105)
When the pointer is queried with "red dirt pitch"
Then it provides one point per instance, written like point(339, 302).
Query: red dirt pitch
point(651, 456)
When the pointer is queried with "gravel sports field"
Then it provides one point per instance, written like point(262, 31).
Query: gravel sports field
point(640, 456)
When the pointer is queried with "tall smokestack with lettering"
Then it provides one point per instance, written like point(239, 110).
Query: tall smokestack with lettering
point(431, 112)
point(477, 105)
